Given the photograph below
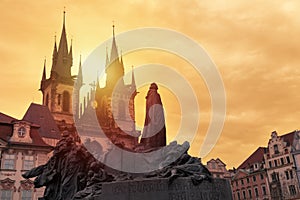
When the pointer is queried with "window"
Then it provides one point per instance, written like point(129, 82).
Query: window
point(261, 176)
point(248, 180)
point(256, 192)
point(28, 163)
point(276, 149)
point(287, 175)
point(237, 183)
point(21, 132)
point(213, 165)
point(26, 195)
point(264, 190)
point(282, 161)
point(239, 196)
point(274, 176)
point(275, 162)
point(66, 101)
point(6, 194)
point(9, 161)
point(59, 99)
point(244, 194)
point(250, 193)
point(254, 178)
point(291, 174)
point(288, 159)
point(270, 163)
point(292, 190)
point(242, 182)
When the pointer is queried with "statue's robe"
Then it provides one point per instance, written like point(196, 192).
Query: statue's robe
point(154, 132)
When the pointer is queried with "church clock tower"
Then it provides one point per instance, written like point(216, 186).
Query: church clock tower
point(57, 90)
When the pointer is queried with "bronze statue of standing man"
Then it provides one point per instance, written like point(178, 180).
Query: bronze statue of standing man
point(154, 132)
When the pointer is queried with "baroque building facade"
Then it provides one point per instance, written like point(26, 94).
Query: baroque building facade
point(58, 89)
point(280, 167)
point(218, 169)
point(270, 172)
point(21, 149)
point(250, 180)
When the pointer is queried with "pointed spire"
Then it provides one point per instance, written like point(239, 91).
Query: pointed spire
point(54, 54)
point(64, 20)
point(71, 53)
point(63, 60)
point(44, 71)
point(121, 58)
point(79, 81)
point(43, 76)
point(114, 50)
point(63, 44)
point(133, 78)
point(55, 46)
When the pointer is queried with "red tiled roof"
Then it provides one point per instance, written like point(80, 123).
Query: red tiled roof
point(6, 131)
point(218, 159)
point(289, 138)
point(36, 139)
point(256, 157)
point(40, 114)
point(5, 118)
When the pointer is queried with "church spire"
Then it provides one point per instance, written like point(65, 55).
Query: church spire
point(71, 53)
point(43, 75)
point(54, 54)
point(133, 79)
point(62, 61)
point(44, 71)
point(79, 76)
point(114, 50)
point(63, 44)
point(121, 58)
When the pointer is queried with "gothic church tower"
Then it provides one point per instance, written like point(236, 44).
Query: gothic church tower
point(57, 90)
point(115, 102)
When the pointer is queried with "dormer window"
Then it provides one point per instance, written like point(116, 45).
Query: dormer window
point(276, 151)
point(21, 132)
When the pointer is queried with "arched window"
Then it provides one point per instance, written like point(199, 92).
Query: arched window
point(47, 100)
point(59, 99)
point(121, 109)
point(66, 101)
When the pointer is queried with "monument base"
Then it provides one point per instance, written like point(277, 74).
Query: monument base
point(159, 189)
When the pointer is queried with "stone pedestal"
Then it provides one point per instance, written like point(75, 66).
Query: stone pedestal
point(159, 189)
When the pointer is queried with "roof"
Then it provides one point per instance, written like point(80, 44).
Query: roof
point(36, 139)
point(289, 138)
point(256, 157)
point(5, 118)
point(40, 114)
point(218, 160)
point(240, 173)
point(6, 131)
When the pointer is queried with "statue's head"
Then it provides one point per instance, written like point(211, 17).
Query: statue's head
point(153, 86)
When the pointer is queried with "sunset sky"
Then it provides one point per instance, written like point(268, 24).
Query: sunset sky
point(254, 44)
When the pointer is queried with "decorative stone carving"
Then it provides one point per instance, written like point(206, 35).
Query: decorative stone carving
point(73, 173)
point(7, 184)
